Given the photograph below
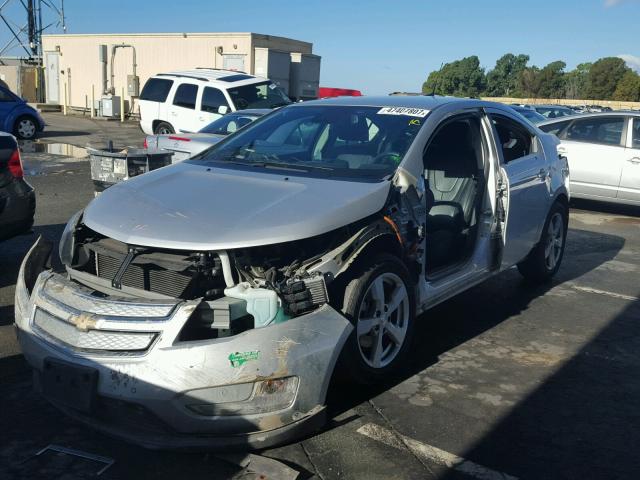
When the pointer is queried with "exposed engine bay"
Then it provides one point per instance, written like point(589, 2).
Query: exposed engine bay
point(247, 287)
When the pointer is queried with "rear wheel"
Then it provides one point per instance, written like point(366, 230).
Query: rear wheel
point(163, 128)
point(25, 128)
point(380, 303)
point(545, 258)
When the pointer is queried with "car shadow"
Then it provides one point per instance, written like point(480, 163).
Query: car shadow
point(582, 421)
point(602, 207)
point(477, 310)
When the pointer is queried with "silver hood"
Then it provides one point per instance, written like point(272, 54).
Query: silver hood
point(193, 207)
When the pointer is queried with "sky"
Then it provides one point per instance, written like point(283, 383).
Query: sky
point(380, 46)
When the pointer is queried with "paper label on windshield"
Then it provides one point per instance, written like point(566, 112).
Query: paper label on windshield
point(412, 112)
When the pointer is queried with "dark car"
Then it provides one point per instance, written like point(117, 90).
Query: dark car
point(530, 114)
point(18, 117)
point(17, 198)
point(553, 111)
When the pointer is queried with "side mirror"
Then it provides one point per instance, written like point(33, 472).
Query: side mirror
point(223, 109)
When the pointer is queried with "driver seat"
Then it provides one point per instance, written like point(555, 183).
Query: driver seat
point(451, 163)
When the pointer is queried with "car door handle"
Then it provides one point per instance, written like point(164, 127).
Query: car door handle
point(634, 160)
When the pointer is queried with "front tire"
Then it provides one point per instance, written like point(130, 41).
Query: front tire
point(544, 260)
point(380, 303)
point(25, 127)
point(163, 128)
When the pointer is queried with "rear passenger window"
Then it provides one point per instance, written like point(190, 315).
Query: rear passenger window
point(186, 96)
point(515, 140)
point(604, 130)
point(636, 133)
point(555, 128)
point(156, 89)
point(212, 98)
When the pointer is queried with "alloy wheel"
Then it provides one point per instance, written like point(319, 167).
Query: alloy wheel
point(383, 320)
point(554, 241)
point(26, 128)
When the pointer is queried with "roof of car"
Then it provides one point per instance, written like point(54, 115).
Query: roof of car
point(615, 113)
point(428, 102)
point(231, 77)
point(544, 105)
point(252, 111)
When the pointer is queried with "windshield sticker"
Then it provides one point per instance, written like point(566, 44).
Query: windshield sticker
point(414, 121)
point(412, 112)
point(272, 86)
point(238, 359)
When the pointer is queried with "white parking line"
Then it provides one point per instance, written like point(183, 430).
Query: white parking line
point(428, 453)
point(604, 292)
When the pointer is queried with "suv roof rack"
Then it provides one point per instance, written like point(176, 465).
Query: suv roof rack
point(182, 76)
point(220, 70)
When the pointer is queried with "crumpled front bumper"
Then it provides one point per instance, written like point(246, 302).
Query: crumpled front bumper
point(147, 382)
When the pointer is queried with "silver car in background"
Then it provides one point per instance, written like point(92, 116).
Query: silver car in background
point(186, 145)
point(603, 150)
point(209, 302)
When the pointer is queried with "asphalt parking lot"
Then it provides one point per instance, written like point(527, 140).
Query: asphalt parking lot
point(505, 381)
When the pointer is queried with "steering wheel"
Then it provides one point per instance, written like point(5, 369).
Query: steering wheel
point(241, 103)
point(387, 158)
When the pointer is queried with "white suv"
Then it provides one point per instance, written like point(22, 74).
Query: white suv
point(190, 100)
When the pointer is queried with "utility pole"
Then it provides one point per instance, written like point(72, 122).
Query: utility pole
point(24, 23)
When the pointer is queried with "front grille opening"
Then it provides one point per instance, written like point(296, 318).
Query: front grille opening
point(148, 277)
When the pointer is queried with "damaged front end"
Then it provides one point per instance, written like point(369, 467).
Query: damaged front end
point(223, 349)
point(168, 372)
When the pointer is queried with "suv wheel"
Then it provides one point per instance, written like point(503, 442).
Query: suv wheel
point(380, 303)
point(163, 128)
point(544, 260)
point(25, 128)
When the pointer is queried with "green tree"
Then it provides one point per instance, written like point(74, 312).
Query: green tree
point(628, 88)
point(528, 82)
point(603, 78)
point(551, 80)
point(461, 78)
point(576, 81)
point(502, 81)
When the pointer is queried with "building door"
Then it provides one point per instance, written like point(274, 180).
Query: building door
point(52, 76)
point(28, 84)
point(233, 62)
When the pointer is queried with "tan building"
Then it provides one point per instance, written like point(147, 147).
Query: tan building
point(77, 64)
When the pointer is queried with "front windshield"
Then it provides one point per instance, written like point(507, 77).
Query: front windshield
point(258, 95)
point(228, 124)
point(354, 142)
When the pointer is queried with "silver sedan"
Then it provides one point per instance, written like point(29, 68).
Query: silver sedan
point(186, 145)
point(603, 150)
